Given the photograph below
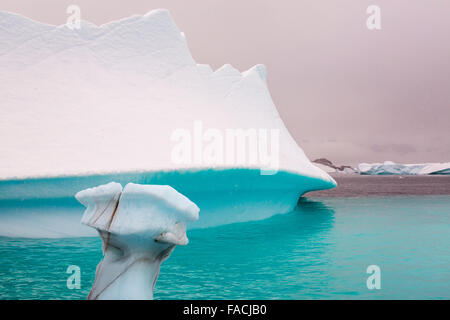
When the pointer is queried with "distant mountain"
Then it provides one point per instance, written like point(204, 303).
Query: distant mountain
point(328, 166)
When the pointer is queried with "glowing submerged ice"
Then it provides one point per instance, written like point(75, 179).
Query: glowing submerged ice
point(140, 226)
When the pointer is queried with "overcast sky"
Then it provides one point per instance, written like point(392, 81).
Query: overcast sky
point(345, 92)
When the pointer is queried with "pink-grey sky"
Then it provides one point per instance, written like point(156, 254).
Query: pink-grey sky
point(345, 92)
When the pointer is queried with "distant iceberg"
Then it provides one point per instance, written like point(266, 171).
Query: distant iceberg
point(87, 106)
point(389, 167)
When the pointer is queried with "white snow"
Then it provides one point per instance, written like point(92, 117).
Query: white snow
point(389, 167)
point(107, 99)
point(81, 108)
point(140, 227)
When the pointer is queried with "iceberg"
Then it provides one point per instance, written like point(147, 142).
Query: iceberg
point(139, 226)
point(126, 102)
point(389, 167)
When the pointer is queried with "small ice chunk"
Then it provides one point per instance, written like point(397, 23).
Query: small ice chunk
point(140, 226)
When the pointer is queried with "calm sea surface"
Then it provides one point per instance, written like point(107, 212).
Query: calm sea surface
point(321, 250)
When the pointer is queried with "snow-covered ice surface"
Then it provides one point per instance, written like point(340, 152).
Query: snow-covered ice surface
point(389, 167)
point(325, 168)
point(84, 107)
point(108, 99)
point(139, 226)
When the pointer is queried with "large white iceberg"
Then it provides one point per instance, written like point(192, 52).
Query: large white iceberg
point(87, 106)
point(139, 226)
point(389, 167)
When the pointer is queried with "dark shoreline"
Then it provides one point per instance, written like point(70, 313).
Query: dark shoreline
point(355, 185)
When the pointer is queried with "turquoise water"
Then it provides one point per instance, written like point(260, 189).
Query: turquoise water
point(319, 251)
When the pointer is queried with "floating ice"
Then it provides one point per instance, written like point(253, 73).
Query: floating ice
point(83, 107)
point(389, 167)
point(139, 226)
